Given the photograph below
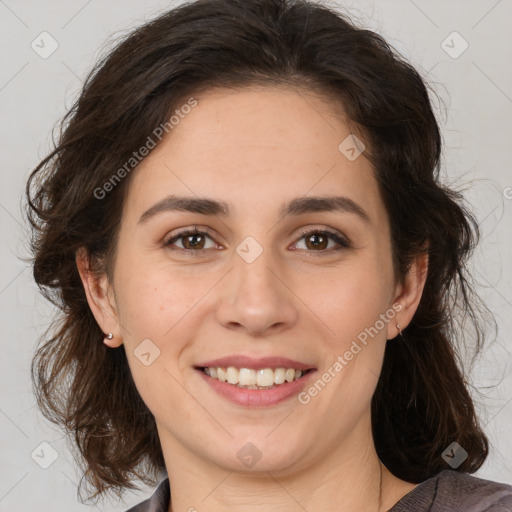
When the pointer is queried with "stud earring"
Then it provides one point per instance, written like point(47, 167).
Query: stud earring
point(109, 337)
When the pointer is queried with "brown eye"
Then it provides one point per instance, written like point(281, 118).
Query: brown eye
point(318, 241)
point(191, 240)
point(195, 241)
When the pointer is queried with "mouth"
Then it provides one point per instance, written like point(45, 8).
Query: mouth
point(253, 382)
point(251, 378)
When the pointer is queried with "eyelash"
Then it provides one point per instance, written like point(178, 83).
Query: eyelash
point(339, 239)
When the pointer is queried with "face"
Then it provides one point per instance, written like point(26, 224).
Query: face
point(276, 281)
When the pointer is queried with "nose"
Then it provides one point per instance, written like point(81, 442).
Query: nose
point(256, 298)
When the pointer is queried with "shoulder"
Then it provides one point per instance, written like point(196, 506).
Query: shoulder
point(158, 502)
point(452, 491)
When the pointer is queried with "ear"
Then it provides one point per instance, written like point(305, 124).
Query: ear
point(100, 298)
point(408, 294)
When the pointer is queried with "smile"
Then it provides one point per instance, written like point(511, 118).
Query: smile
point(249, 378)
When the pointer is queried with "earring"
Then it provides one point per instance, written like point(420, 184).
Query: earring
point(399, 330)
point(109, 337)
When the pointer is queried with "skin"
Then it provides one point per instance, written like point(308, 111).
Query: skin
point(257, 148)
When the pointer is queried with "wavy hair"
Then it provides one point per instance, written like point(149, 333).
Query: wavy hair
point(422, 402)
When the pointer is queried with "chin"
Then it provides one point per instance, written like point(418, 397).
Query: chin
point(252, 454)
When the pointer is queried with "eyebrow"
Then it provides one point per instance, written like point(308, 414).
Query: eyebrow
point(295, 207)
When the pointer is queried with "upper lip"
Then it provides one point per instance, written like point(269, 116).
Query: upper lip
point(240, 361)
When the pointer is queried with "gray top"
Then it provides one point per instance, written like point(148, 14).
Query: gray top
point(448, 491)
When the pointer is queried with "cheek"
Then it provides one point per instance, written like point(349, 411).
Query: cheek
point(154, 312)
point(152, 296)
point(354, 298)
point(354, 308)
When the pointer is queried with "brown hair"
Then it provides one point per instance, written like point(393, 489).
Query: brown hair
point(422, 402)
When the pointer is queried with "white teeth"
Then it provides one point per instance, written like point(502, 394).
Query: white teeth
point(247, 377)
point(254, 379)
point(279, 375)
point(221, 374)
point(265, 377)
point(232, 374)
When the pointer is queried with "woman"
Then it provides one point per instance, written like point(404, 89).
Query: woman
point(244, 206)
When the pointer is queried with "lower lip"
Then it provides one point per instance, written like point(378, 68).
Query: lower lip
point(257, 397)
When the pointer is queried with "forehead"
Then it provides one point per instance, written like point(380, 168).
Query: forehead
point(255, 144)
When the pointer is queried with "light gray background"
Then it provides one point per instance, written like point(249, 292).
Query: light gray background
point(35, 92)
